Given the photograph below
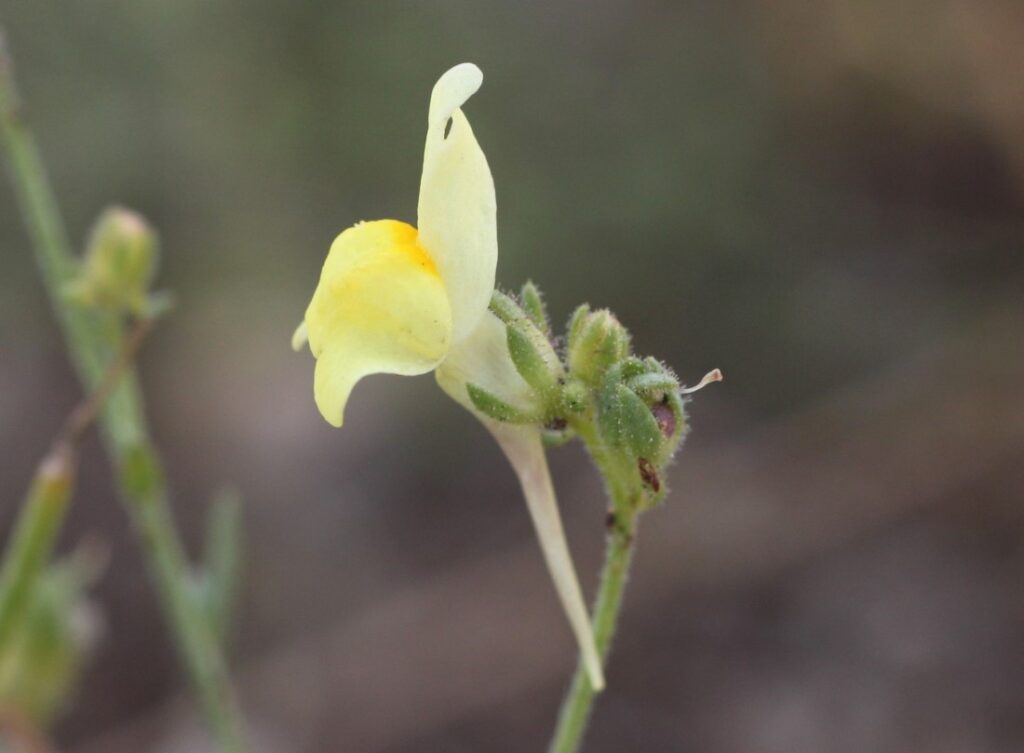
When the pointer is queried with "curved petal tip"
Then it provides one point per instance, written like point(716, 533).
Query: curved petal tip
point(452, 90)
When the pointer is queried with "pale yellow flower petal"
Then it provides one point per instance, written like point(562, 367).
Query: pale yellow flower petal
point(457, 210)
point(483, 359)
point(380, 307)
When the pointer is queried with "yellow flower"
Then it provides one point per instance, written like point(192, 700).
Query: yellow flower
point(400, 300)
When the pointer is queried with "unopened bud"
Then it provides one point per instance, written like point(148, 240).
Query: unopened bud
point(597, 341)
point(119, 264)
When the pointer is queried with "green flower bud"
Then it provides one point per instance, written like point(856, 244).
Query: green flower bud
point(596, 343)
point(119, 264)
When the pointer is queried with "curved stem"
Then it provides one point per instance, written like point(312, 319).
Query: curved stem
point(91, 340)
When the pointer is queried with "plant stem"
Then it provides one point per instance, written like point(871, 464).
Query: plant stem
point(91, 339)
point(46, 502)
point(579, 699)
point(623, 518)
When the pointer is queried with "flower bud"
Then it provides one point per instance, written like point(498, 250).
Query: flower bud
point(119, 263)
point(640, 413)
point(597, 341)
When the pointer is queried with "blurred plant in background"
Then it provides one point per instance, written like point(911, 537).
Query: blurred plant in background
point(94, 298)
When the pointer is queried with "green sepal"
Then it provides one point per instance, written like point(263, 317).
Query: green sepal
point(533, 305)
point(505, 308)
point(496, 408)
point(653, 385)
point(524, 346)
point(576, 322)
point(630, 368)
point(641, 434)
point(624, 418)
point(530, 349)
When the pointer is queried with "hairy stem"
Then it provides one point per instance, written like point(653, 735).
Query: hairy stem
point(92, 337)
point(579, 699)
point(622, 526)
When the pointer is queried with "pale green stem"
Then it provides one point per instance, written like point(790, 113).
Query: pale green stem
point(92, 339)
point(622, 523)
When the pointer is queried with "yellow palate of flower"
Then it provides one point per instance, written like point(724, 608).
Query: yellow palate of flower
point(380, 306)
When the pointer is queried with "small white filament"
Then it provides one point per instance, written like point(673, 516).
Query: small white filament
point(715, 375)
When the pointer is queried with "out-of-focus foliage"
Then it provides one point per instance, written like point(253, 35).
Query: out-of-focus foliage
point(40, 664)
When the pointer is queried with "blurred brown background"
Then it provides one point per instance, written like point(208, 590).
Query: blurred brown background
point(826, 200)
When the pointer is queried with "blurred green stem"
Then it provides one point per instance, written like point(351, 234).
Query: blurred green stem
point(92, 338)
point(622, 526)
